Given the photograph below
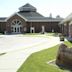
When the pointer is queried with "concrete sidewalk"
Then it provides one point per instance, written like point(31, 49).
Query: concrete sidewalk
point(20, 51)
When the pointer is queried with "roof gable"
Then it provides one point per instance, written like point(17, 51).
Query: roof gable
point(18, 15)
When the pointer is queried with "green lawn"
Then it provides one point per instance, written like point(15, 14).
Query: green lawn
point(49, 34)
point(46, 35)
point(37, 62)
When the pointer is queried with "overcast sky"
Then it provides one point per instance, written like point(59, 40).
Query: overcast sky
point(45, 7)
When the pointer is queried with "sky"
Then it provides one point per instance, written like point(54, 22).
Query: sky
point(44, 7)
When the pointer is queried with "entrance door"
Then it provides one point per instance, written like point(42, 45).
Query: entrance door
point(16, 30)
point(32, 30)
point(16, 26)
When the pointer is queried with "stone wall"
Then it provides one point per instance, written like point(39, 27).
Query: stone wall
point(64, 56)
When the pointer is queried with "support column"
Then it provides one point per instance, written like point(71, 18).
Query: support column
point(43, 29)
point(70, 29)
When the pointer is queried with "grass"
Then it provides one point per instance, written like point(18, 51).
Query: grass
point(52, 34)
point(36, 35)
point(46, 35)
point(37, 62)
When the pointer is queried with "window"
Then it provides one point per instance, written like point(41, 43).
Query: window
point(16, 26)
point(15, 29)
point(16, 21)
point(12, 29)
point(18, 29)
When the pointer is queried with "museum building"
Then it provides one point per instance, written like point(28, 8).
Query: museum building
point(28, 20)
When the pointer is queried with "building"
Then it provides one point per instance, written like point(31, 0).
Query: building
point(28, 20)
point(66, 26)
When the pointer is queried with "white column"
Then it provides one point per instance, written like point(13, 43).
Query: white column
point(32, 29)
point(43, 29)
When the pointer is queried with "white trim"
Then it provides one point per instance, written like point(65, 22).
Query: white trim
point(18, 15)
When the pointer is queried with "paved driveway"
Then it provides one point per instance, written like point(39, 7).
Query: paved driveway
point(18, 48)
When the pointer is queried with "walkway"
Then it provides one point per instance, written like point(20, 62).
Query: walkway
point(19, 48)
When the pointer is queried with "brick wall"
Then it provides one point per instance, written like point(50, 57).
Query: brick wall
point(48, 26)
point(2, 27)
